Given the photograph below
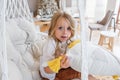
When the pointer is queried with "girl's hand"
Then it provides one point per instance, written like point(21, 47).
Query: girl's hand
point(64, 62)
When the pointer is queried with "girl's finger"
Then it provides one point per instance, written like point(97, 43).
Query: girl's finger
point(64, 59)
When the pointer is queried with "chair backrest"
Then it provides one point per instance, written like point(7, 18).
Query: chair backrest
point(106, 20)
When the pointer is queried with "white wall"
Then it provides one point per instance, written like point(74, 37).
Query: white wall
point(111, 5)
point(100, 9)
point(95, 10)
point(90, 8)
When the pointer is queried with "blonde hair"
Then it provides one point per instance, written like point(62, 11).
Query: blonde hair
point(56, 17)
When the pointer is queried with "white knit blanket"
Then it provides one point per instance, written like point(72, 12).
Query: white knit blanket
point(100, 61)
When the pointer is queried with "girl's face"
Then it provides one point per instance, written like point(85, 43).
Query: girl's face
point(62, 30)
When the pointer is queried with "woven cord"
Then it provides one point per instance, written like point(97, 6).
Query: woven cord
point(18, 9)
point(84, 67)
point(3, 54)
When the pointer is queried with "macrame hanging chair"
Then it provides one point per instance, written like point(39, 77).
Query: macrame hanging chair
point(10, 9)
point(93, 56)
point(20, 9)
point(3, 55)
point(83, 61)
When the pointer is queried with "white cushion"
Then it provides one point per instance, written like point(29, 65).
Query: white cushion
point(12, 53)
point(26, 72)
point(28, 27)
point(14, 72)
point(17, 35)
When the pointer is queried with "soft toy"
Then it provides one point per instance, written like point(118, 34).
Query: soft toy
point(54, 64)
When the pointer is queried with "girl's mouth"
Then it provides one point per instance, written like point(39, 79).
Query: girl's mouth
point(63, 36)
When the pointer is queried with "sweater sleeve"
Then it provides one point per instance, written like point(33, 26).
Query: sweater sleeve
point(48, 54)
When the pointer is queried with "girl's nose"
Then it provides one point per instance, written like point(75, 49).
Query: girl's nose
point(65, 30)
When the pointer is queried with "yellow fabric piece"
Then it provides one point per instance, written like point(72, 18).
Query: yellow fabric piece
point(54, 64)
point(116, 77)
point(73, 43)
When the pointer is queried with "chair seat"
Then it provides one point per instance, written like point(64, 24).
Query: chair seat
point(108, 33)
point(96, 26)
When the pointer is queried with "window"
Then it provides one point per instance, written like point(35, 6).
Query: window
point(96, 10)
point(71, 7)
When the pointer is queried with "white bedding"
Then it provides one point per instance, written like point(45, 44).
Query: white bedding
point(23, 49)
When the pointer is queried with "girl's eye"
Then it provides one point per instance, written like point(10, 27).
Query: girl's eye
point(60, 27)
point(68, 28)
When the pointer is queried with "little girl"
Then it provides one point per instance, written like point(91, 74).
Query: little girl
point(62, 29)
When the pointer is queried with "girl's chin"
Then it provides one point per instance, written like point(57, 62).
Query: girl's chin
point(63, 39)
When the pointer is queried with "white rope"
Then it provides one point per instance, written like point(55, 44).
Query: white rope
point(3, 54)
point(10, 9)
point(81, 8)
point(18, 9)
point(84, 67)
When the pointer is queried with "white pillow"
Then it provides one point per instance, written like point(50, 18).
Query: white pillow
point(26, 72)
point(29, 28)
point(13, 71)
point(15, 56)
point(12, 53)
point(17, 35)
